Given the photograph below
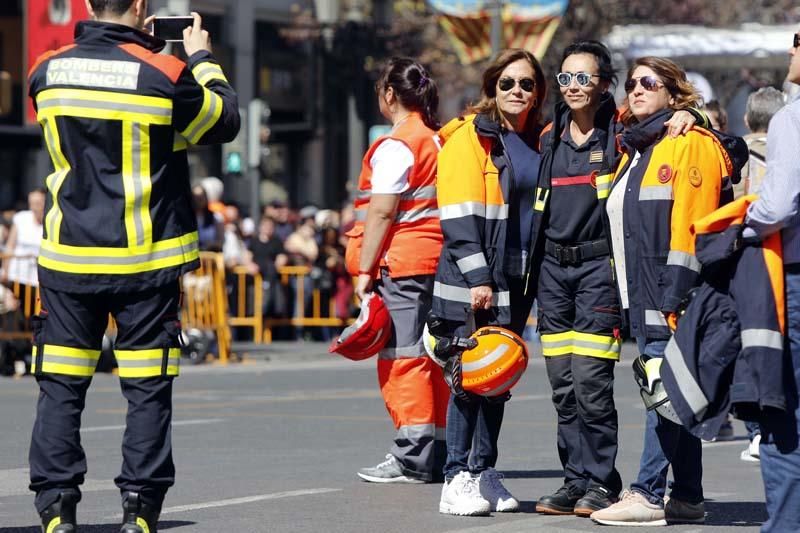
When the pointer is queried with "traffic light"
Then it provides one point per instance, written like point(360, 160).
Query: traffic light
point(233, 152)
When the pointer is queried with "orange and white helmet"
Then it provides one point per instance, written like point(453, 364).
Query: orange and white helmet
point(496, 364)
point(368, 334)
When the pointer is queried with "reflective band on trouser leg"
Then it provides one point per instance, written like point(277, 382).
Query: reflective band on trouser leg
point(147, 363)
point(594, 345)
point(65, 360)
point(407, 386)
point(554, 344)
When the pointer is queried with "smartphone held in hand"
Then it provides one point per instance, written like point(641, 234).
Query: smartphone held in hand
point(171, 29)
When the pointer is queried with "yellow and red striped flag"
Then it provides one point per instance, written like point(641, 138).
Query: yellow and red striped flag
point(528, 24)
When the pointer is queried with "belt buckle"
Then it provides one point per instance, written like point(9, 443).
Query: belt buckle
point(566, 255)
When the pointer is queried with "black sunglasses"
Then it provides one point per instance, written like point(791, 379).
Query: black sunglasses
point(564, 79)
point(526, 84)
point(796, 40)
point(649, 83)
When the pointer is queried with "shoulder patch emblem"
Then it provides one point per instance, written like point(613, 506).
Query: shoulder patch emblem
point(664, 173)
point(695, 178)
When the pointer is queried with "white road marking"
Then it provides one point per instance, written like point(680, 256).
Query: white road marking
point(244, 500)
point(174, 423)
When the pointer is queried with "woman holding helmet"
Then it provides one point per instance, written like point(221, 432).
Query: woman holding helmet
point(488, 169)
point(393, 249)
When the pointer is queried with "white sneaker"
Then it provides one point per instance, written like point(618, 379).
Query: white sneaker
point(461, 496)
point(492, 490)
point(751, 453)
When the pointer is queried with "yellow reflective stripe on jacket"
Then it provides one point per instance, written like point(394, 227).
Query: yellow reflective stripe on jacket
point(55, 180)
point(66, 360)
point(179, 143)
point(208, 116)
point(205, 72)
point(541, 199)
point(604, 185)
point(104, 105)
point(578, 343)
point(136, 183)
point(97, 260)
point(147, 363)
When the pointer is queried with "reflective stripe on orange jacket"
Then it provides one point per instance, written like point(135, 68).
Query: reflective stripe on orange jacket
point(676, 182)
point(415, 240)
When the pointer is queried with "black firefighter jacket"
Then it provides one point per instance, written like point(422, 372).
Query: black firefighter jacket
point(117, 118)
point(728, 346)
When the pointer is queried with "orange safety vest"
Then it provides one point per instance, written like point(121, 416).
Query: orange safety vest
point(415, 239)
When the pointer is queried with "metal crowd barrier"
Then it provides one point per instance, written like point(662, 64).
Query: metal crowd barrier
point(15, 321)
point(205, 304)
point(298, 274)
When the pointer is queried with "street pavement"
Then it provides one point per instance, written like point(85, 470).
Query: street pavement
point(272, 445)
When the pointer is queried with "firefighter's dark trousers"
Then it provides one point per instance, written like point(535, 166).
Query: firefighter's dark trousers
point(67, 340)
point(578, 322)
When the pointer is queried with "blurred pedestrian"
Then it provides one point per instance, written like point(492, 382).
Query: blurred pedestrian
point(210, 227)
point(761, 107)
point(776, 209)
point(717, 115)
point(488, 172)
point(393, 249)
point(118, 234)
point(662, 185)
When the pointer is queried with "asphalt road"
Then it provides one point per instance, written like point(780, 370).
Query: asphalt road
point(267, 446)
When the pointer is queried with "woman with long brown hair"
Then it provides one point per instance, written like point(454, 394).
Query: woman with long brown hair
point(661, 187)
point(488, 170)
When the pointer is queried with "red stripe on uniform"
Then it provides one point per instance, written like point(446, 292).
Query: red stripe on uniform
point(574, 180)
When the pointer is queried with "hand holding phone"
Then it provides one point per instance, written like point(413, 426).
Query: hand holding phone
point(171, 28)
point(195, 38)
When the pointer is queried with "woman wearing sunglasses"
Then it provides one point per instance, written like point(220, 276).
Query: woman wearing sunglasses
point(488, 168)
point(578, 306)
point(393, 249)
point(661, 187)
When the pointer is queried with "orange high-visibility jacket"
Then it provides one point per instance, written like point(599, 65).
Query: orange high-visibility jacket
point(676, 182)
point(415, 239)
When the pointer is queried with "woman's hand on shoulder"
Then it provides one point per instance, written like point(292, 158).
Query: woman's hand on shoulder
point(680, 123)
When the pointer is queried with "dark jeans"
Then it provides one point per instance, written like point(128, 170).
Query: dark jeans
point(479, 419)
point(473, 427)
point(779, 450)
point(665, 444)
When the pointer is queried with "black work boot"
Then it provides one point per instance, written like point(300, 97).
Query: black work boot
point(60, 517)
point(138, 516)
point(596, 498)
point(561, 501)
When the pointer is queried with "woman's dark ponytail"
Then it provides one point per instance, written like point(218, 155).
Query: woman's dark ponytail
point(413, 87)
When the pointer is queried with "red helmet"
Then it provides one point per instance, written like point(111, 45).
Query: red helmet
point(496, 364)
point(368, 334)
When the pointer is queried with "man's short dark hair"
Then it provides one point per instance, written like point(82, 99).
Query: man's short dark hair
point(111, 7)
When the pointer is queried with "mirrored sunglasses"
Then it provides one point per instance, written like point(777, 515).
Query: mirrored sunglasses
point(564, 79)
point(649, 83)
point(526, 84)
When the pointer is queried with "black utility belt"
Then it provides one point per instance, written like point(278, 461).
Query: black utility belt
point(577, 253)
